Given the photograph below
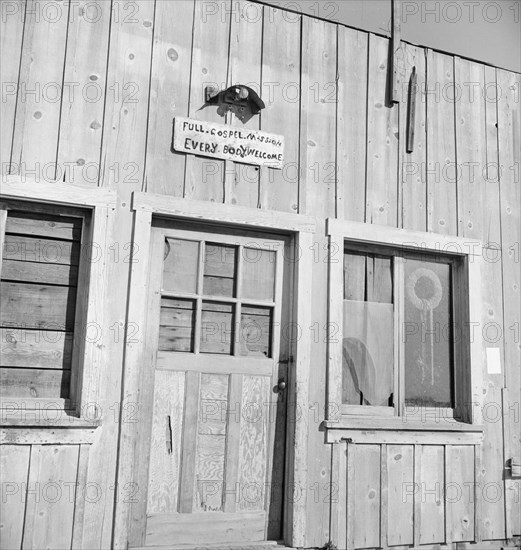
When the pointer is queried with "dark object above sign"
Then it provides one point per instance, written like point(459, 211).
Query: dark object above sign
point(242, 101)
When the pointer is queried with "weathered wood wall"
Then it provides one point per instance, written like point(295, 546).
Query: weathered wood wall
point(89, 98)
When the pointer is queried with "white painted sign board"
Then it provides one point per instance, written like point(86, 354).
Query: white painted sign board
point(208, 139)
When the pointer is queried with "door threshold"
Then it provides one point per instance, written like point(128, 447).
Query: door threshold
point(265, 545)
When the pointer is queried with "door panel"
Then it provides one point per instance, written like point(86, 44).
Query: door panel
point(217, 416)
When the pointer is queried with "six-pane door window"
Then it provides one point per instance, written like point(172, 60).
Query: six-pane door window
point(217, 298)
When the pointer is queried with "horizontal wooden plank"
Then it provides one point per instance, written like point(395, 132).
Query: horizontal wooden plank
point(219, 260)
point(218, 286)
point(222, 299)
point(176, 317)
point(19, 187)
point(44, 225)
point(176, 339)
point(429, 423)
point(45, 273)
point(34, 383)
point(53, 413)
point(218, 528)
point(35, 349)
point(37, 306)
point(177, 303)
point(230, 214)
point(215, 364)
point(217, 307)
point(34, 249)
point(48, 436)
point(405, 438)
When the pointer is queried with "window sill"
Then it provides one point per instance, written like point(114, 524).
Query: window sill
point(398, 430)
point(71, 431)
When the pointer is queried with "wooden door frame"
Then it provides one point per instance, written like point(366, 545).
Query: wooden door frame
point(301, 229)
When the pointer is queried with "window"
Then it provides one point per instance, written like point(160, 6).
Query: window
point(404, 313)
point(218, 295)
point(52, 271)
point(38, 288)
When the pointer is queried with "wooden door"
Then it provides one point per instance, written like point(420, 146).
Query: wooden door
point(216, 438)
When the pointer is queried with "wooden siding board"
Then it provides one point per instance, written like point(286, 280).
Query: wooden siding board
point(351, 126)
point(79, 502)
point(459, 493)
point(412, 165)
point(317, 194)
point(49, 509)
point(37, 306)
point(477, 197)
point(14, 460)
point(245, 67)
point(12, 39)
point(81, 121)
point(441, 170)
point(367, 496)
point(431, 494)
point(319, 51)
point(125, 120)
point(37, 120)
point(382, 141)
point(478, 200)
point(509, 128)
point(211, 36)
point(35, 349)
point(169, 95)
point(400, 467)
point(122, 169)
point(279, 189)
point(44, 225)
point(164, 469)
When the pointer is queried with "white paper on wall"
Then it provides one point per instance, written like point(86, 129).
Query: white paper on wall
point(493, 361)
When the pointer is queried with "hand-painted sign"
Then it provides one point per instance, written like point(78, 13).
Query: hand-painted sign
point(228, 142)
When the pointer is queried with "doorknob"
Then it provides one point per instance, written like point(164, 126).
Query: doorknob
point(281, 384)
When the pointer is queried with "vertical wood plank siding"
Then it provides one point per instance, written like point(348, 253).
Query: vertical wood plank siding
point(325, 87)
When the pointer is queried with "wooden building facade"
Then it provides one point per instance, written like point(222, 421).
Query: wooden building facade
point(182, 335)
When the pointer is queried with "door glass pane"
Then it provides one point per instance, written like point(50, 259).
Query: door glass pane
point(368, 331)
point(427, 334)
point(216, 328)
point(180, 266)
point(176, 327)
point(255, 337)
point(258, 274)
point(219, 270)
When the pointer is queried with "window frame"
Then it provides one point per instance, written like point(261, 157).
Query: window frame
point(466, 307)
point(81, 406)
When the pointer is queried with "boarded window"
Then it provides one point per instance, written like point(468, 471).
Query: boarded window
point(39, 278)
